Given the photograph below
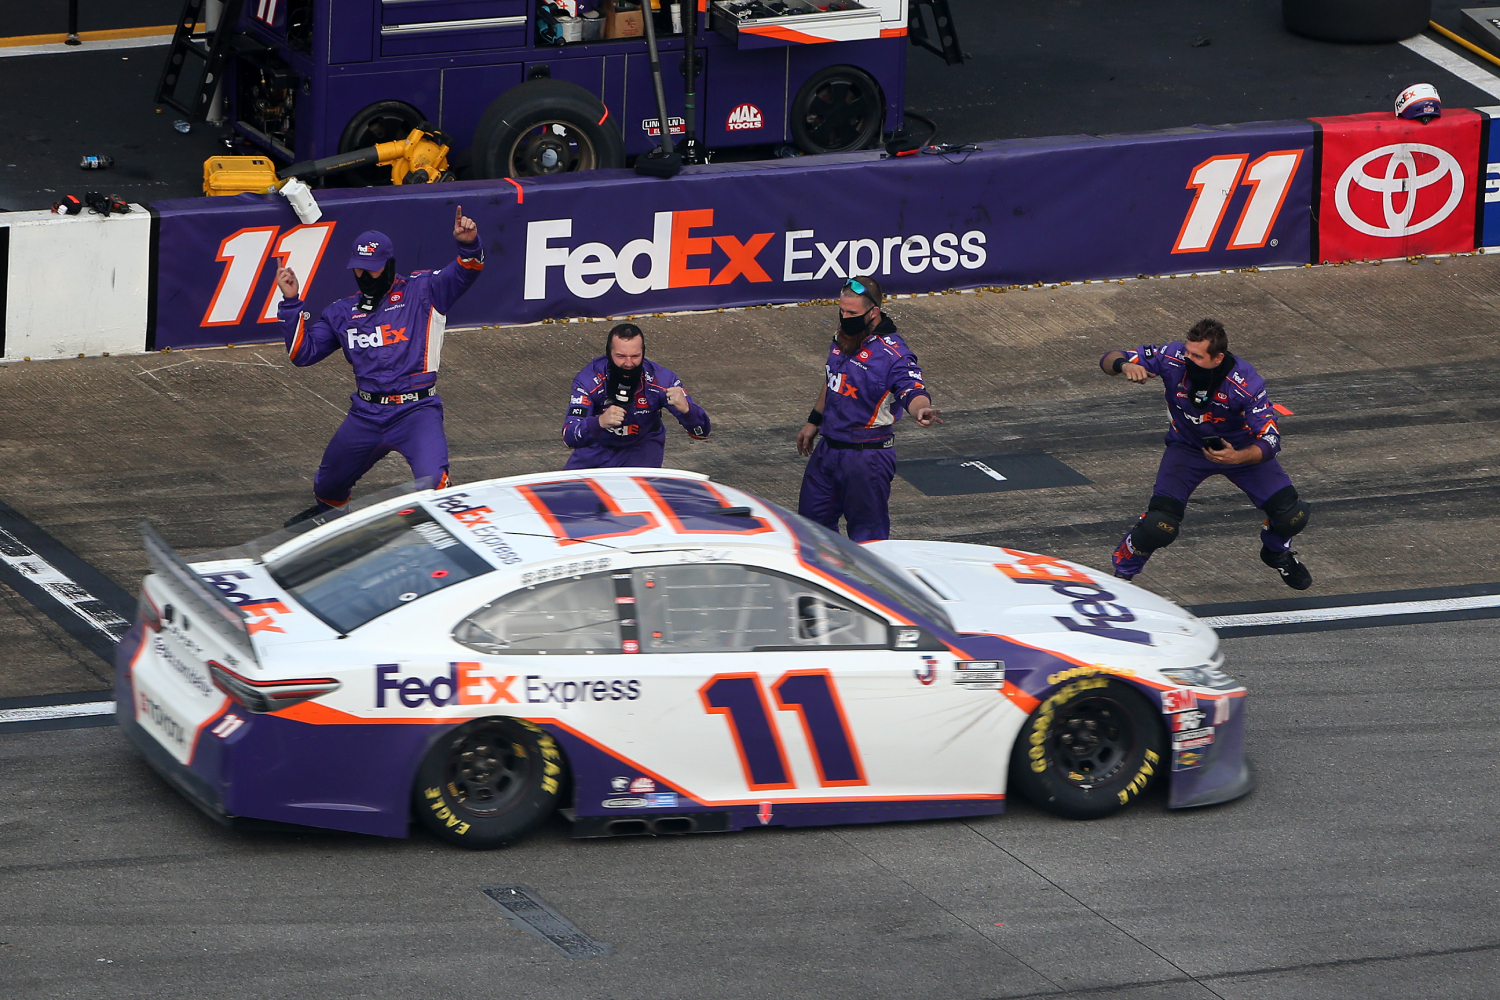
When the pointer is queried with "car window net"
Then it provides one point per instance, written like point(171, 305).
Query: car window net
point(831, 551)
point(719, 607)
point(564, 616)
point(375, 566)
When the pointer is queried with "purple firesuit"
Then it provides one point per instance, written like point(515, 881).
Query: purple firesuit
point(850, 471)
point(639, 442)
point(394, 352)
point(1239, 411)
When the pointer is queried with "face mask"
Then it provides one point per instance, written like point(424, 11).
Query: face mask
point(1205, 381)
point(372, 288)
point(623, 383)
point(853, 326)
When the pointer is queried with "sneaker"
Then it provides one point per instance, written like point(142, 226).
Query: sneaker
point(307, 515)
point(1124, 576)
point(1293, 573)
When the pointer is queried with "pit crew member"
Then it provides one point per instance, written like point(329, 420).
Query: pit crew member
point(1222, 423)
point(614, 413)
point(871, 376)
point(392, 335)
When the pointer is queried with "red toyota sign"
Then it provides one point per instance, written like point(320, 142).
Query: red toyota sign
point(1390, 187)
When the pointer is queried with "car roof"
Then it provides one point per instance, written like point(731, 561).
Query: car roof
point(522, 520)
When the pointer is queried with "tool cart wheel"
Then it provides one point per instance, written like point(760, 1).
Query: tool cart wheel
point(838, 109)
point(545, 127)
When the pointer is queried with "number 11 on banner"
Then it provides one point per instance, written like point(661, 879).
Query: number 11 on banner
point(1216, 178)
point(244, 254)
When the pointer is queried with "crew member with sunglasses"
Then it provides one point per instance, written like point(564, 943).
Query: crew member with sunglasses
point(872, 376)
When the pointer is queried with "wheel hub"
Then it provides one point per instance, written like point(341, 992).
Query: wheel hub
point(485, 772)
point(1091, 741)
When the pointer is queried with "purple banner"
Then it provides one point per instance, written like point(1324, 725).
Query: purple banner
point(610, 243)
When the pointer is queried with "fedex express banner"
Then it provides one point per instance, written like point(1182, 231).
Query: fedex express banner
point(609, 243)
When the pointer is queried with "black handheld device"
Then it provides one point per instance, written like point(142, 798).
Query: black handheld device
point(1214, 443)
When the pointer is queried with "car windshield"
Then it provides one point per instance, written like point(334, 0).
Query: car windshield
point(376, 566)
point(831, 551)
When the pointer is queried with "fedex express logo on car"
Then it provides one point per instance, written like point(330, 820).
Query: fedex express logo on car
point(1098, 612)
point(676, 258)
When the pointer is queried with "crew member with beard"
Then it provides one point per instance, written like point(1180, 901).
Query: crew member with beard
point(1222, 424)
point(392, 335)
point(871, 378)
point(614, 414)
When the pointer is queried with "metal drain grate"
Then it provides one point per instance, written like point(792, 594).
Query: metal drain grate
point(528, 911)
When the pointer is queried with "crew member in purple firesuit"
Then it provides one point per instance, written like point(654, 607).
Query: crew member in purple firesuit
point(392, 335)
point(614, 413)
point(1222, 424)
point(871, 376)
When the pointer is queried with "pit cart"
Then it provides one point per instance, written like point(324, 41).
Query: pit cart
point(305, 79)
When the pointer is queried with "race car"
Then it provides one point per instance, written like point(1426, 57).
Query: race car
point(647, 651)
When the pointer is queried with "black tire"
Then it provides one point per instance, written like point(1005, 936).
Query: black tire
point(489, 783)
point(837, 110)
point(1356, 20)
point(383, 121)
point(1089, 749)
point(545, 127)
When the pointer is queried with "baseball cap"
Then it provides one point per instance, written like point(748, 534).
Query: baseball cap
point(1420, 100)
point(371, 251)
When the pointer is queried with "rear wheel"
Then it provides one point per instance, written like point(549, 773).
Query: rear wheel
point(489, 783)
point(383, 121)
point(545, 127)
point(837, 110)
point(1089, 749)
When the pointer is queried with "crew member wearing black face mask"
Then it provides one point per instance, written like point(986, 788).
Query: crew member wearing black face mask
point(614, 413)
point(392, 334)
point(871, 378)
point(1223, 423)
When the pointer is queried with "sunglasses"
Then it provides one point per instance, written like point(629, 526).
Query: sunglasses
point(858, 288)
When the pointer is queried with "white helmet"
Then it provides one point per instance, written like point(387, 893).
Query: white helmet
point(1420, 100)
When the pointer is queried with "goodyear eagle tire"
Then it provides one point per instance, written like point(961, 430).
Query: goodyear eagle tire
point(545, 127)
point(489, 783)
point(1089, 749)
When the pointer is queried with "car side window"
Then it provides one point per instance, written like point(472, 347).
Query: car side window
point(724, 608)
point(563, 616)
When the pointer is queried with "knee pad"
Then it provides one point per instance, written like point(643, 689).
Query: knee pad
point(1286, 514)
point(1158, 527)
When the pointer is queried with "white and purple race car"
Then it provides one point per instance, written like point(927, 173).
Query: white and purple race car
point(646, 651)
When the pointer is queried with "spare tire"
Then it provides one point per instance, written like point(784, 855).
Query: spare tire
point(545, 127)
point(1356, 20)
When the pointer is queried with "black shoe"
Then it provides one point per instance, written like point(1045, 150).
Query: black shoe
point(1293, 573)
point(307, 515)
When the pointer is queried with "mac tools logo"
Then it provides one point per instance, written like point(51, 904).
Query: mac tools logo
point(1393, 180)
point(746, 116)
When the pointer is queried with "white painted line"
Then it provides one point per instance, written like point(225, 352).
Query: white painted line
point(58, 48)
point(1454, 63)
point(45, 712)
point(61, 588)
point(1354, 611)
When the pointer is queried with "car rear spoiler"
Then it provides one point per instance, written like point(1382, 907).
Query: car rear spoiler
point(194, 594)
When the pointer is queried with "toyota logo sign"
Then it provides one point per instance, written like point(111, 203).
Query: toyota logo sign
point(1407, 168)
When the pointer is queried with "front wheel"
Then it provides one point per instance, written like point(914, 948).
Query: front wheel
point(1089, 749)
point(489, 783)
point(545, 127)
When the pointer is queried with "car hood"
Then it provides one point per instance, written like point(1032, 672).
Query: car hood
point(1060, 606)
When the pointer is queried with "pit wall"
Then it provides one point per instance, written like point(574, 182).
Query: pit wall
point(199, 272)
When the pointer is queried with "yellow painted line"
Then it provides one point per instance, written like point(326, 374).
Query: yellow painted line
point(106, 35)
point(1462, 41)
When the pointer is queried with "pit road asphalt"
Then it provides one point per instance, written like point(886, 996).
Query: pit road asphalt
point(1361, 867)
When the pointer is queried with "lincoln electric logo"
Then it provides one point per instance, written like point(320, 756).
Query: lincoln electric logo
point(682, 251)
point(746, 116)
point(1401, 172)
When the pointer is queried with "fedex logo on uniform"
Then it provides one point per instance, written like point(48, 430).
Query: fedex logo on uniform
point(383, 336)
point(680, 254)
